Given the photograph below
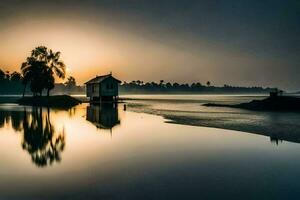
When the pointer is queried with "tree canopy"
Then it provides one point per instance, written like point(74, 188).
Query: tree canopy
point(40, 68)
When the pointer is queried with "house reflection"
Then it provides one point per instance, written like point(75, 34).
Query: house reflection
point(40, 138)
point(104, 115)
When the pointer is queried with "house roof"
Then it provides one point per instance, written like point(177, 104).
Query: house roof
point(99, 79)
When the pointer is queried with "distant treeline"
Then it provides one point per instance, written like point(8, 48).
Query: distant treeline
point(11, 84)
point(138, 86)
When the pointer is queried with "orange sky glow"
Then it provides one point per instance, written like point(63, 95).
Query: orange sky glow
point(98, 38)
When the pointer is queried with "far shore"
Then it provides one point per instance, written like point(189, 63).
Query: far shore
point(13, 98)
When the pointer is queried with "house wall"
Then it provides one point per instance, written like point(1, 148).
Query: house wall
point(109, 87)
point(92, 90)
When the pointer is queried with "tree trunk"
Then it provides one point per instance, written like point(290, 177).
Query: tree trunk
point(48, 92)
point(24, 90)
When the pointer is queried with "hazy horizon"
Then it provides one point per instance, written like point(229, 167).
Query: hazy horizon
point(247, 43)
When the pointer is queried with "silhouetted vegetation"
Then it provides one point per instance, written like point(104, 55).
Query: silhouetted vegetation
point(39, 69)
point(11, 84)
point(162, 87)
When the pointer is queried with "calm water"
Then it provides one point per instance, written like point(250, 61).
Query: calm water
point(189, 110)
point(92, 152)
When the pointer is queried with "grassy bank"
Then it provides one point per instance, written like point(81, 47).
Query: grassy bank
point(59, 101)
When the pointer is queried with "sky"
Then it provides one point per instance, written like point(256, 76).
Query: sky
point(235, 42)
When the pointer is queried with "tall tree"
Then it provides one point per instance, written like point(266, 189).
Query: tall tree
point(34, 73)
point(54, 63)
point(40, 68)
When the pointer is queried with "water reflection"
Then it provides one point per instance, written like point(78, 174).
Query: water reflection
point(275, 140)
point(15, 117)
point(103, 116)
point(40, 139)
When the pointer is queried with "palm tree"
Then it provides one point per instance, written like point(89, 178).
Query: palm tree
point(54, 63)
point(71, 82)
point(39, 70)
point(34, 73)
point(49, 81)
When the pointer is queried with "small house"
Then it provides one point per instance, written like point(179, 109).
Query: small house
point(103, 88)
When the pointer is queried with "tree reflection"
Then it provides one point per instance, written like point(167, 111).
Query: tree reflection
point(13, 117)
point(2, 119)
point(40, 139)
point(16, 119)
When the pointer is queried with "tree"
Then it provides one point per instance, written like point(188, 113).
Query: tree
point(169, 85)
point(34, 72)
point(39, 78)
point(2, 75)
point(208, 83)
point(175, 85)
point(138, 82)
point(15, 76)
point(70, 83)
point(161, 82)
point(49, 82)
point(198, 85)
point(54, 64)
point(40, 68)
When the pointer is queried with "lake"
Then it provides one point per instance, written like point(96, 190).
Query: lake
point(161, 147)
